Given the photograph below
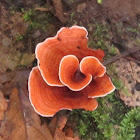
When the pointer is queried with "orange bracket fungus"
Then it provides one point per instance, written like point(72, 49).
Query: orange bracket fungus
point(69, 75)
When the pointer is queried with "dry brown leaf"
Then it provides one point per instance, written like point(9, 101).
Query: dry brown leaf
point(59, 10)
point(8, 80)
point(69, 132)
point(76, 138)
point(27, 59)
point(81, 7)
point(21, 121)
point(129, 72)
point(1, 138)
point(9, 59)
point(3, 105)
point(62, 122)
point(123, 10)
point(52, 125)
point(59, 134)
point(10, 32)
point(14, 76)
point(13, 125)
point(59, 124)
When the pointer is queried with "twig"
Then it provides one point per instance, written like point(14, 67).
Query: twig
point(113, 59)
point(130, 58)
point(48, 8)
point(59, 10)
point(42, 9)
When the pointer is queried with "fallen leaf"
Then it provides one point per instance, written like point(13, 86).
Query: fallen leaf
point(3, 105)
point(81, 7)
point(8, 80)
point(27, 59)
point(1, 138)
point(14, 76)
point(62, 122)
point(13, 126)
point(76, 138)
point(53, 124)
point(21, 121)
point(9, 44)
point(69, 132)
point(59, 134)
point(129, 72)
point(59, 10)
point(9, 59)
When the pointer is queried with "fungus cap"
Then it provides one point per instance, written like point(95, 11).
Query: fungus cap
point(68, 41)
point(69, 75)
point(48, 100)
point(89, 67)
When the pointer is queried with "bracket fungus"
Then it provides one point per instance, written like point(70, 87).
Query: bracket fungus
point(69, 75)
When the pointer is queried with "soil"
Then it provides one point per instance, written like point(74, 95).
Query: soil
point(25, 23)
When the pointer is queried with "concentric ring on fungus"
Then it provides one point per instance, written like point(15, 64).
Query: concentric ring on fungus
point(69, 75)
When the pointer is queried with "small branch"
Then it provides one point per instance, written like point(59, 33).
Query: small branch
point(47, 8)
point(113, 59)
point(42, 9)
point(131, 59)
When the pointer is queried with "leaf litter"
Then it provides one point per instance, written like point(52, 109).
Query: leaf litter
point(18, 119)
point(3, 106)
point(129, 72)
point(21, 121)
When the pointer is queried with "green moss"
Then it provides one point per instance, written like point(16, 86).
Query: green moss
point(127, 126)
point(20, 37)
point(111, 120)
point(27, 14)
point(101, 123)
point(133, 30)
point(137, 41)
point(27, 59)
point(99, 1)
point(99, 36)
point(71, 16)
point(117, 83)
point(37, 20)
point(125, 91)
point(112, 50)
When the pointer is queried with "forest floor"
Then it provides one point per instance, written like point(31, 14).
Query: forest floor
point(113, 26)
